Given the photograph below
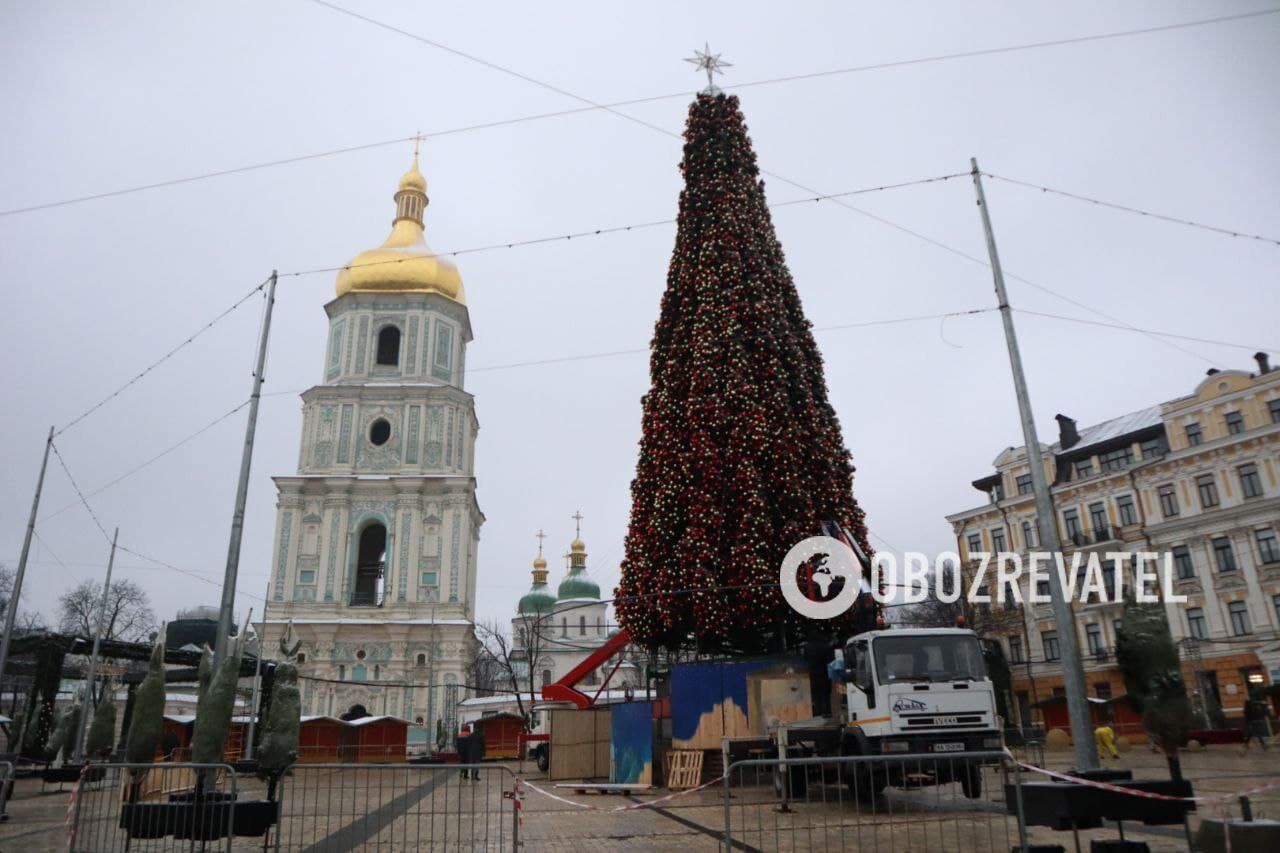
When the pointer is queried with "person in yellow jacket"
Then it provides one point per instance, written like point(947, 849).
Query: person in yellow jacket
point(1105, 738)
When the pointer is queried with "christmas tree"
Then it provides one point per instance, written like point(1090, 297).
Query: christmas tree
point(741, 454)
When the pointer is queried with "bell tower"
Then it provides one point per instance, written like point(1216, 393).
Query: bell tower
point(377, 532)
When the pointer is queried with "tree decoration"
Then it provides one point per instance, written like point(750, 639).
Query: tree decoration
point(214, 708)
point(64, 735)
point(741, 454)
point(280, 739)
point(148, 713)
point(38, 731)
point(102, 730)
point(1148, 660)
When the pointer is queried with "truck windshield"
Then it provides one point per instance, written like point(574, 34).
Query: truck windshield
point(936, 657)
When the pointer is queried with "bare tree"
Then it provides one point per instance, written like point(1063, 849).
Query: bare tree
point(26, 621)
point(129, 615)
point(992, 620)
point(517, 661)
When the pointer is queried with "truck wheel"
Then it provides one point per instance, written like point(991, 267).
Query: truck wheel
point(971, 781)
point(865, 786)
point(544, 759)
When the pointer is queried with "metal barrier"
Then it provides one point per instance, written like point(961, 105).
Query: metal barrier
point(152, 806)
point(908, 802)
point(7, 773)
point(340, 807)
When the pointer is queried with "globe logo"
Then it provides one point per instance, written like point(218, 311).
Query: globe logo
point(822, 559)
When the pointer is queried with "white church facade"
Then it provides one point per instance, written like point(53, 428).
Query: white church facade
point(377, 533)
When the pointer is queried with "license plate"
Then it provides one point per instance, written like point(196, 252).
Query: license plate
point(948, 747)
point(945, 721)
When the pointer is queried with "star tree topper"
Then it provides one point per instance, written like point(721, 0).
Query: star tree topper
point(710, 62)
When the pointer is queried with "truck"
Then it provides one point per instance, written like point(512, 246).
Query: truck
point(901, 692)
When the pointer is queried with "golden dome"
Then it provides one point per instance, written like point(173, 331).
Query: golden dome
point(577, 546)
point(404, 262)
point(539, 563)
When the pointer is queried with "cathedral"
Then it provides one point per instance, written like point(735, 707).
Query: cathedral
point(374, 562)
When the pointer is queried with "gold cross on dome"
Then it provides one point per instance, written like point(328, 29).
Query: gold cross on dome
point(540, 536)
point(577, 519)
point(710, 62)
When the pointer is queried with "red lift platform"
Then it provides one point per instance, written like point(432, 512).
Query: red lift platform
point(566, 690)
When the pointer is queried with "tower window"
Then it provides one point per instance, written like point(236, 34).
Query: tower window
point(302, 657)
point(370, 561)
point(379, 432)
point(389, 345)
point(422, 660)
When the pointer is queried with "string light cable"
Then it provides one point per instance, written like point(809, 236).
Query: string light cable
point(1137, 210)
point(1127, 328)
point(796, 184)
point(168, 355)
point(790, 78)
point(79, 492)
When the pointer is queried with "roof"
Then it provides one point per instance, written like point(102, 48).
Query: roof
point(1114, 428)
point(364, 721)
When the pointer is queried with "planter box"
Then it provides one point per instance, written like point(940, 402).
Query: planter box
point(202, 820)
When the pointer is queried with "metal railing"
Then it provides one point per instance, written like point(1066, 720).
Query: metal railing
point(154, 806)
point(393, 807)
point(909, 802)
point(7, 774)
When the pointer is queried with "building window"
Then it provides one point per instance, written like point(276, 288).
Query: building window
point(377, 671)
point(1208, 490)
point(1024, 484)
point(1275, 605)
point(1153, 447)
point(342, 672)
point(1182, 562)
point(1015, 645)
point(1168, 500)
point(1250, 482)
point(997, 492)
point(359, 672)
point(564, 626)
point(1235, 423)
point(1195, 436)
point(1084, 468)
point(1239, 613)
point(422, 660)
point(1093, 636)
point(997, 540)
point(1196, 625)
point(1042, 588)
point(1050, 640)
point(1027, 539)
point(428, 578)
point(379, 432)
point(306, 576)
point(1268, 546)
point(600, 625)
point(1223, 555)
point(582, 626)
point(1102, 689)
point(1098, 519)
point(975, 543)
point(1116, 460)
point(1273, 406)
point(1071, 523)
point(1127, 510)
point(389, 346)
point(302, 657)
point(546, 677)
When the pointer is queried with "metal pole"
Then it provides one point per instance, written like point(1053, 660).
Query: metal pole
point(87, 702)
point(1086, 751)
point(257, 676)
point(11, 611)
point(225, 614)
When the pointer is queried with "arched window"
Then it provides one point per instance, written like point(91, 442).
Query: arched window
point(546, 677)
point(342, 676)
point(377, 671)
point(564, 626)
point(599, 624)
point(422, 660)
point(370, 560)
point(359, 673)
point(582, 626)
point(389, 345)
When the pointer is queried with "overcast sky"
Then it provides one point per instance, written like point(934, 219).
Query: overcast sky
point(101, 96)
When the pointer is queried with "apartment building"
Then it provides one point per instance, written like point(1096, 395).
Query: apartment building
point(1195, 477)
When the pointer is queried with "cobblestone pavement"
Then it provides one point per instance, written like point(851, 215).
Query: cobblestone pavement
point(423, 808)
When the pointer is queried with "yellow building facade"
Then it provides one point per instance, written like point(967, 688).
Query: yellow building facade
point(1197, 477)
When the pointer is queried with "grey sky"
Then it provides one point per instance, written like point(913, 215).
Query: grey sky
point(106, 95)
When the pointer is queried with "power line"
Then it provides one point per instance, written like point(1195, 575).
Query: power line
point(156, 458)
point(1139, 211)
point(79, 493)
point(195, 575)
point(790, 78)
point(659, 129)
point(56, 558)
point(170, 354)
point(1127, 328)
point(618, 229)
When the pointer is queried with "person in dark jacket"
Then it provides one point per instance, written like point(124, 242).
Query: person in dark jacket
point(1255, 723)
point(476, 750)
point(462, 743)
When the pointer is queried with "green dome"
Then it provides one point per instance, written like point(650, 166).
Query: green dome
point(537, 600)
point(578, 585)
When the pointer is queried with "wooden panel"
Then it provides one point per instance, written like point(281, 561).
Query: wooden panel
point(579, 744)
point(775, 698)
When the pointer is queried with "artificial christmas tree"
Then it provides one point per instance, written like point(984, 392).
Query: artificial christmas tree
point(741, 455)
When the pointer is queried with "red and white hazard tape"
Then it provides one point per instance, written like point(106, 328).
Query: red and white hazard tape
point(1107, 786)
point(71, 804)
point(626, 808)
